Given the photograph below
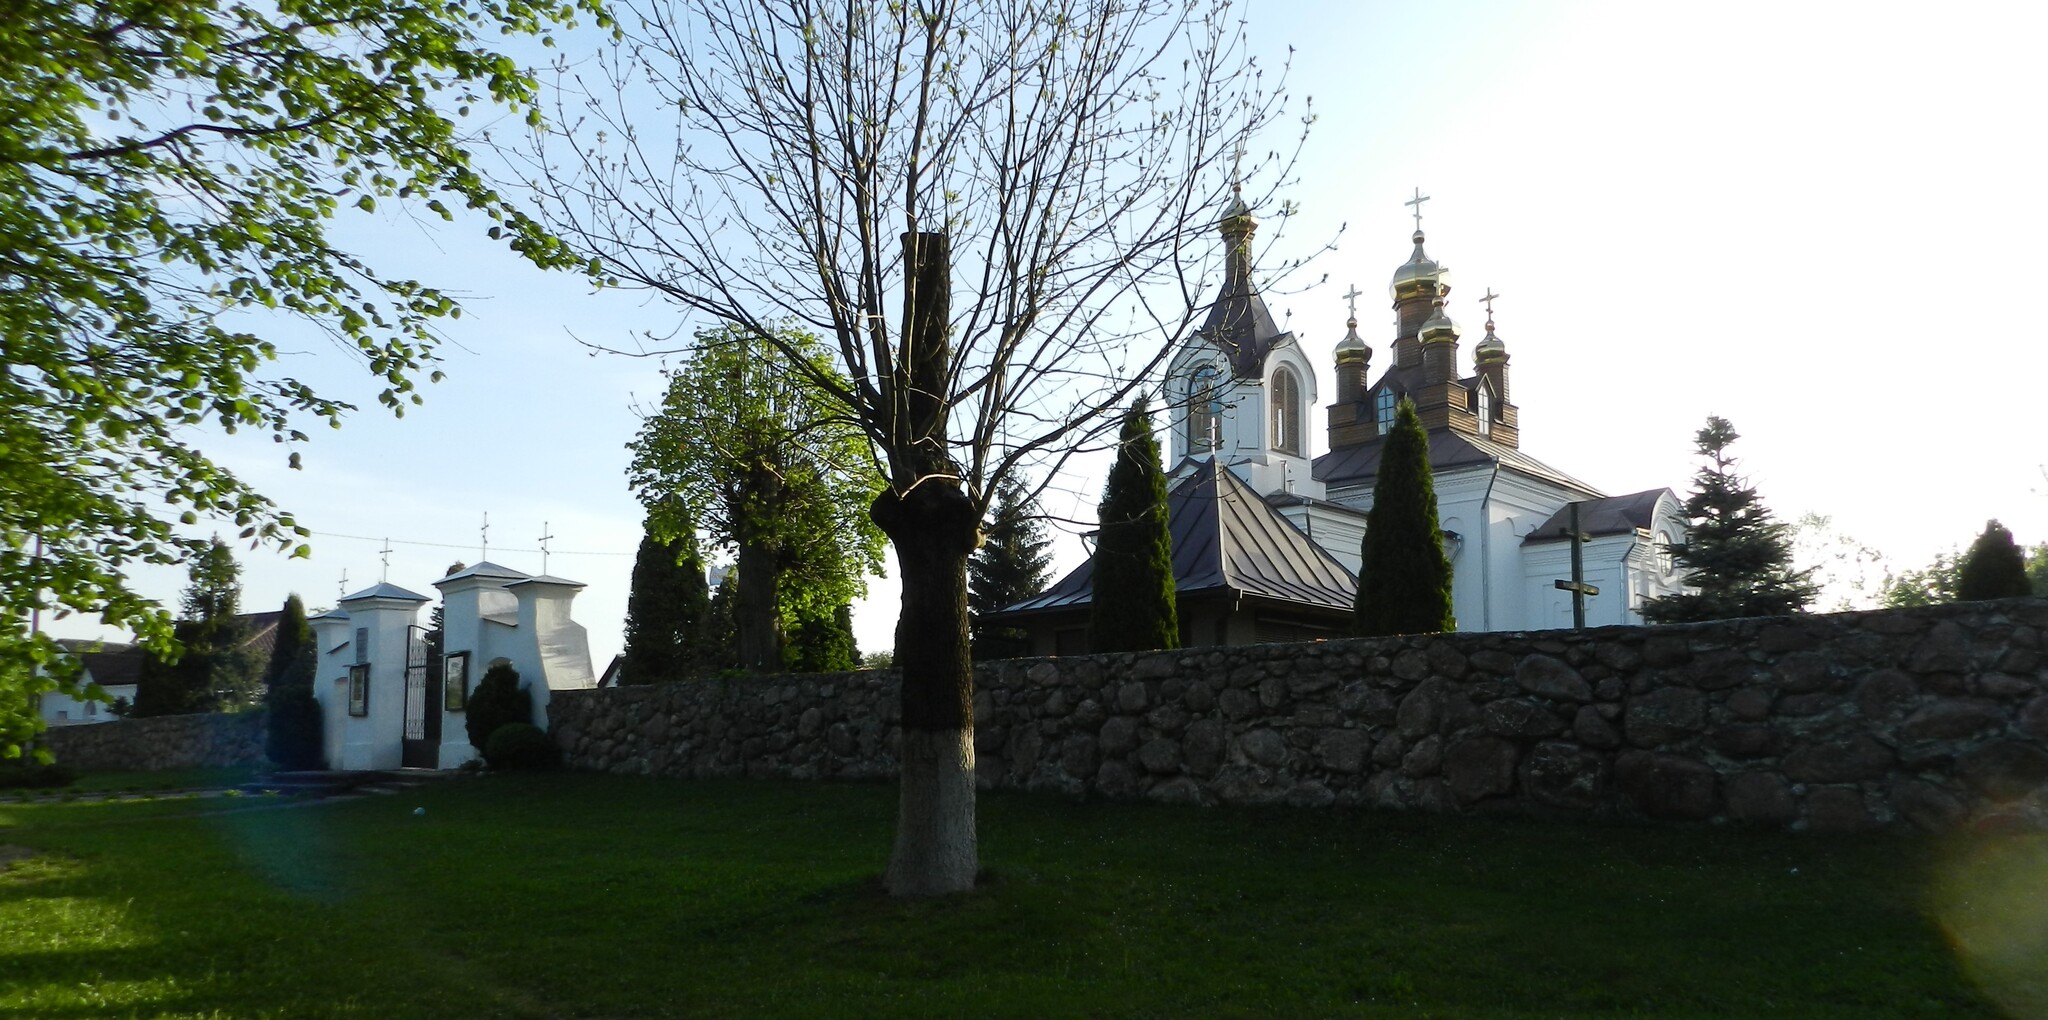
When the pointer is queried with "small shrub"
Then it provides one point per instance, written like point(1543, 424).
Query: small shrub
point(497, 701)
point(520, 745)
point(15, 776)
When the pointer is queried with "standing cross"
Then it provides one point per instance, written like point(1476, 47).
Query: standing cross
point(344, 582)
point(1352, 296)
point(545, 538)
point(385, 554)
point(1417, 203)
point(1488, 302)
point(486, 553)
point(1577, 585)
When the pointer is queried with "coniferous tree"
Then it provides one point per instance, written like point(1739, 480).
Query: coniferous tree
point(1994, 568)
point(213, 669)
point(1010, 566)
point(1739, 559)
point(721, 627)
point(1404, 579)
point(666, 611)
point(1133, 606)
point(295, 736)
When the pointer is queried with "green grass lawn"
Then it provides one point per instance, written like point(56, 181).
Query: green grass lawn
point(585, 896)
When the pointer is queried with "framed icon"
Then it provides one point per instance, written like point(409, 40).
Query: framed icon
point(359, 689)
point(455, 681)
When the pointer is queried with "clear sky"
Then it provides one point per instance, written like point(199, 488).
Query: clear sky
point(1823, 222)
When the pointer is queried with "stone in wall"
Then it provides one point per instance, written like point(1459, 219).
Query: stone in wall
point(155, 743)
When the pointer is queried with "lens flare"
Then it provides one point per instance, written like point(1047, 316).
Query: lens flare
point(1992, 901)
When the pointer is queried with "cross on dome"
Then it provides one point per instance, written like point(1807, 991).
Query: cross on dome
point(1417, 203)
point(1488, 302)
point(1352, 296)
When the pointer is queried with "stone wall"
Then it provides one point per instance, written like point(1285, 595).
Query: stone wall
point(161, 742)
point(1932, 717)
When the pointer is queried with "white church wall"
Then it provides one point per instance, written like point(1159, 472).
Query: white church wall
point(1603, 564)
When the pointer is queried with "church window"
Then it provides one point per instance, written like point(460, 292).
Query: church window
point(1205, 411)
point(1666, 562)
point(1385, 409)
point(1286, 412)
point(1485, 411)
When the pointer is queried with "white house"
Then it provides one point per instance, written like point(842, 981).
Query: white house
point(385, 705)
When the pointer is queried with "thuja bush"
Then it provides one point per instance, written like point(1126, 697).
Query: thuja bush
point(520, 745)
point(497, 701)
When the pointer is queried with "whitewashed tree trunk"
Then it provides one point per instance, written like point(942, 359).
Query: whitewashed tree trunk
point(935, 849)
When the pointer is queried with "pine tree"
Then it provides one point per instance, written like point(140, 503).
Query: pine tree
point(1133, 605)
point(1994, 568)
point(1010, 566)
point(295, 734)
point(1404, 579)
point(666, 611)
point(1739, 559)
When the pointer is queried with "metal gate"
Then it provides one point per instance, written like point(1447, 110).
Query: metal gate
point(422, 743)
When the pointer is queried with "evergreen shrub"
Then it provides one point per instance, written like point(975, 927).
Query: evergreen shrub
point(520, 745)
point(497, 701)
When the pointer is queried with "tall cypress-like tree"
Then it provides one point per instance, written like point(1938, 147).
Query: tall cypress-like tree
point(1404, 579)
point(667, 611)
point(211, 669)
point(1994, 568)
point(823, 642)
point(294, 736)
point(1133, 606)
point(1010, 566)
point(1738, 558)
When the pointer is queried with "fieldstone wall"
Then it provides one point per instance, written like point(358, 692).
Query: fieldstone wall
point(1931, 717)
point(161, 742)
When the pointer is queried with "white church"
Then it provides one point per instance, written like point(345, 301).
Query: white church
point(1266, 536)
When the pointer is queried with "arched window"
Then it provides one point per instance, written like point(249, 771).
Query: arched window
point(1384, 407)
point(1285, 412)
point(1205, 411)
point(1485, 410)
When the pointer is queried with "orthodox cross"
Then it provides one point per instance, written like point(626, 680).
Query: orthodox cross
point(1352, 296)
point(385, 555)
point(344, 582)
point(1488, 302)
point(1417, 203)
point(545, 538)
point(486, 553)
point(1577, 585)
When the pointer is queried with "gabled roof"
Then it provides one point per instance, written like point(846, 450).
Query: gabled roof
point(386, 590)
point(1609, 515)
point(1225, 538)
point(1448, 448)
point(485, 568)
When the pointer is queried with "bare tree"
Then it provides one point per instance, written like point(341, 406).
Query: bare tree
point(1033, 184)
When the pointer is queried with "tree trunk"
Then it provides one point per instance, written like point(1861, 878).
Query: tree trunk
point(758, 618)
point(933, 530)
point(934, 527)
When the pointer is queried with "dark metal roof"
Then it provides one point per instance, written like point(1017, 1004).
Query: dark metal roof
point(1240, 325)
point(1448, 448)
point(1225, 538)
point(386, 590)
point(1610, 515)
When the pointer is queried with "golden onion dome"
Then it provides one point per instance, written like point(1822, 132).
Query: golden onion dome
point(1416, 273)
point(1490, 347)
point(1353, 345)
point(1439, 324)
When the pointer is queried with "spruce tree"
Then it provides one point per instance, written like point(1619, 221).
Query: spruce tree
point(212, 669)
point(1994, 568)
point(295, 734)
point(1404, 579)
point(1010, 566)
point(667, 611)
point(1738, 558)
point(1133, 602)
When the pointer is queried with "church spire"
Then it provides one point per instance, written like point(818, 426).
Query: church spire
point(1416, 286)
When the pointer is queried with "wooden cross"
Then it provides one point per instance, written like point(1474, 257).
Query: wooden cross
point(1352, 296)
point(1417, 203)
point(545, 538)
point(1577, 585)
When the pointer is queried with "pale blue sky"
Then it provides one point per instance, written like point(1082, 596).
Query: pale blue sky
point(1821, 221)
